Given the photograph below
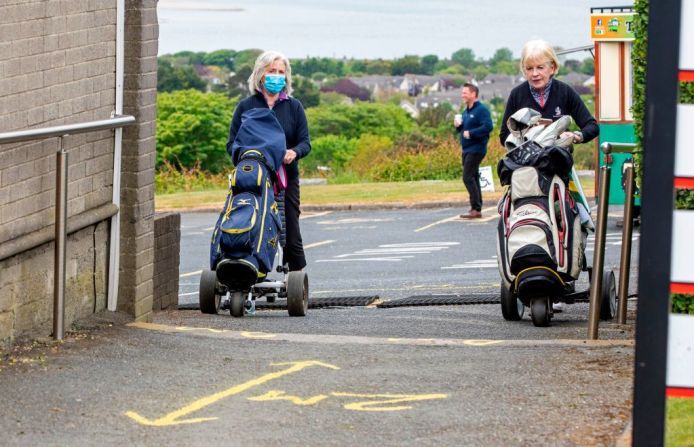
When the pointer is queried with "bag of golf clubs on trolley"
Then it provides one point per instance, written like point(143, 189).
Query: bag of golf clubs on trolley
point(249, 233)
point(544, 218)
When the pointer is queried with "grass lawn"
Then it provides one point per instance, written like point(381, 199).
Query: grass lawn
point(407, 193)
point(679, 431)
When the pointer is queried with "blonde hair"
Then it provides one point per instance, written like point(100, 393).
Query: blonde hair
point(538, 51)
point(261, 64)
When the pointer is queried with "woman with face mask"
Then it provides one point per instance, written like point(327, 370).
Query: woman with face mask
point(550, 97)
point(270, 85)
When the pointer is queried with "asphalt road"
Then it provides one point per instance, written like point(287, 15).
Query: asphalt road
point(424, 376)
point(390, 253)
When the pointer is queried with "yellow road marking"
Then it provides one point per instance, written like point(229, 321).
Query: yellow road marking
point(385, 399)
point(318, 244)
point(296, 400)
point(185, 275)
point(426, 227)
point(257, 335)
point(367, 340)
point(482, 342)
point(308, 216)
point(173, 417)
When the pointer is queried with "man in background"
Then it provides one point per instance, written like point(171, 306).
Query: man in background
point(474, 126)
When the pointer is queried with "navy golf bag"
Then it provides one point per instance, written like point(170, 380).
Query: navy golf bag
point(248, 231)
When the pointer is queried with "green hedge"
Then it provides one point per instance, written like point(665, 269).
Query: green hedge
point(684, 199)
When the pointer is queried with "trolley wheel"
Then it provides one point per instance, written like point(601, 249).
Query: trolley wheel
point(297, 293)
point(238, 299)
point(539, 311)
point(608, 305)
point(512, 308)
point(207, 294)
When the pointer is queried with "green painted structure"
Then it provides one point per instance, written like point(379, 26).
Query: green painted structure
point(616, 133)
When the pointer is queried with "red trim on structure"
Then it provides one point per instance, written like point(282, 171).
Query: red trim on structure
point(687, 75)
point(682, 287)
point(684, 182)
point(679, 392)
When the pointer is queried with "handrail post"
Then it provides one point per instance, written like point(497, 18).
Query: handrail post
point(599, 253)
point(627, 231)
point(61, 176)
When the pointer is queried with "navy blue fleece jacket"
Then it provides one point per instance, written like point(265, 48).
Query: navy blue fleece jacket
point(291, 116)
point(478, 122)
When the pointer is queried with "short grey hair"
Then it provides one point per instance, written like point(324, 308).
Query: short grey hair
point(261, 64)
point(538, 51)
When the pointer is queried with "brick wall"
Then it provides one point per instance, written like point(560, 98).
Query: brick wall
point(167, 245)
point(139, 156)
point(57, 66)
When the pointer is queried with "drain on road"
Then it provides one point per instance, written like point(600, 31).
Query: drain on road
point(313, 303)
point(442, 300)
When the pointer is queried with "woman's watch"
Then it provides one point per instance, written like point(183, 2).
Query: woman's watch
point(579, 137)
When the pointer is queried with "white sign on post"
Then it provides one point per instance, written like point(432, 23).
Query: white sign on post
point(486, 179)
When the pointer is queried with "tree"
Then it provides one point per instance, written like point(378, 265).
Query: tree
point(306, 91)
point(405, 65)
point(348, 88)
point(351, 121)
point(238, 82)
point(500, 55)
point(171, 77)
point(588, 66)
point(220, 58)
point(193, 126)
point(464, 57)
point(247, 57)
point(429, 64)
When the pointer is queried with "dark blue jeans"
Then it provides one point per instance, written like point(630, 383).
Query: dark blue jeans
point(471, 178)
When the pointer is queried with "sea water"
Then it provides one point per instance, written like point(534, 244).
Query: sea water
point(372, 28)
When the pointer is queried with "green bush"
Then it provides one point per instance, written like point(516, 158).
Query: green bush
point(332, 151)
point(351, 121)
point(192, 129)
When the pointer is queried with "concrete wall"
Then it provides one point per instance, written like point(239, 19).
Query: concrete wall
point(57, 66)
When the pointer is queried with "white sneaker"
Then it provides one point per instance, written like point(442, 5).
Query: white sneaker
point(558, 307)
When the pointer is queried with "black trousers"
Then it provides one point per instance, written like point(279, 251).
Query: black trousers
point(294, 247)
point(471, 178)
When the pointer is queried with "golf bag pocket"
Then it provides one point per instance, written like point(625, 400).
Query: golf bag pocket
point(239, 226)
point(569, 236)
point(528, 182)
point(530, 239)
point(249, 176)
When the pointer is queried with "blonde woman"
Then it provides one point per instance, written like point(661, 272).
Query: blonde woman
point(270, 85)
point(551, 97)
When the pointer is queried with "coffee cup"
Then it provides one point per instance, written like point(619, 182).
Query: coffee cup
point(458, 119)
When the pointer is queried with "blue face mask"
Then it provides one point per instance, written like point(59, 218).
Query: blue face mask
point(274, 83)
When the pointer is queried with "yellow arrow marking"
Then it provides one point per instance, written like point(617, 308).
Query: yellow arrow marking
point(386, 399)
point(249, 334)
point(208, 329)
point(172, 418)
point(482, 342)
point(296, 400)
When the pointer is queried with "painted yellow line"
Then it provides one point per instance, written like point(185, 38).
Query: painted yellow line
point(447, 219)
point(173, 417)
point(386, 399)
point(367, 340)
point(318, 244)
point(185, 275)
point(319, 214)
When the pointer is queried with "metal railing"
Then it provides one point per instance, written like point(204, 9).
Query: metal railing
point(600, 233)
point(61, 177)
